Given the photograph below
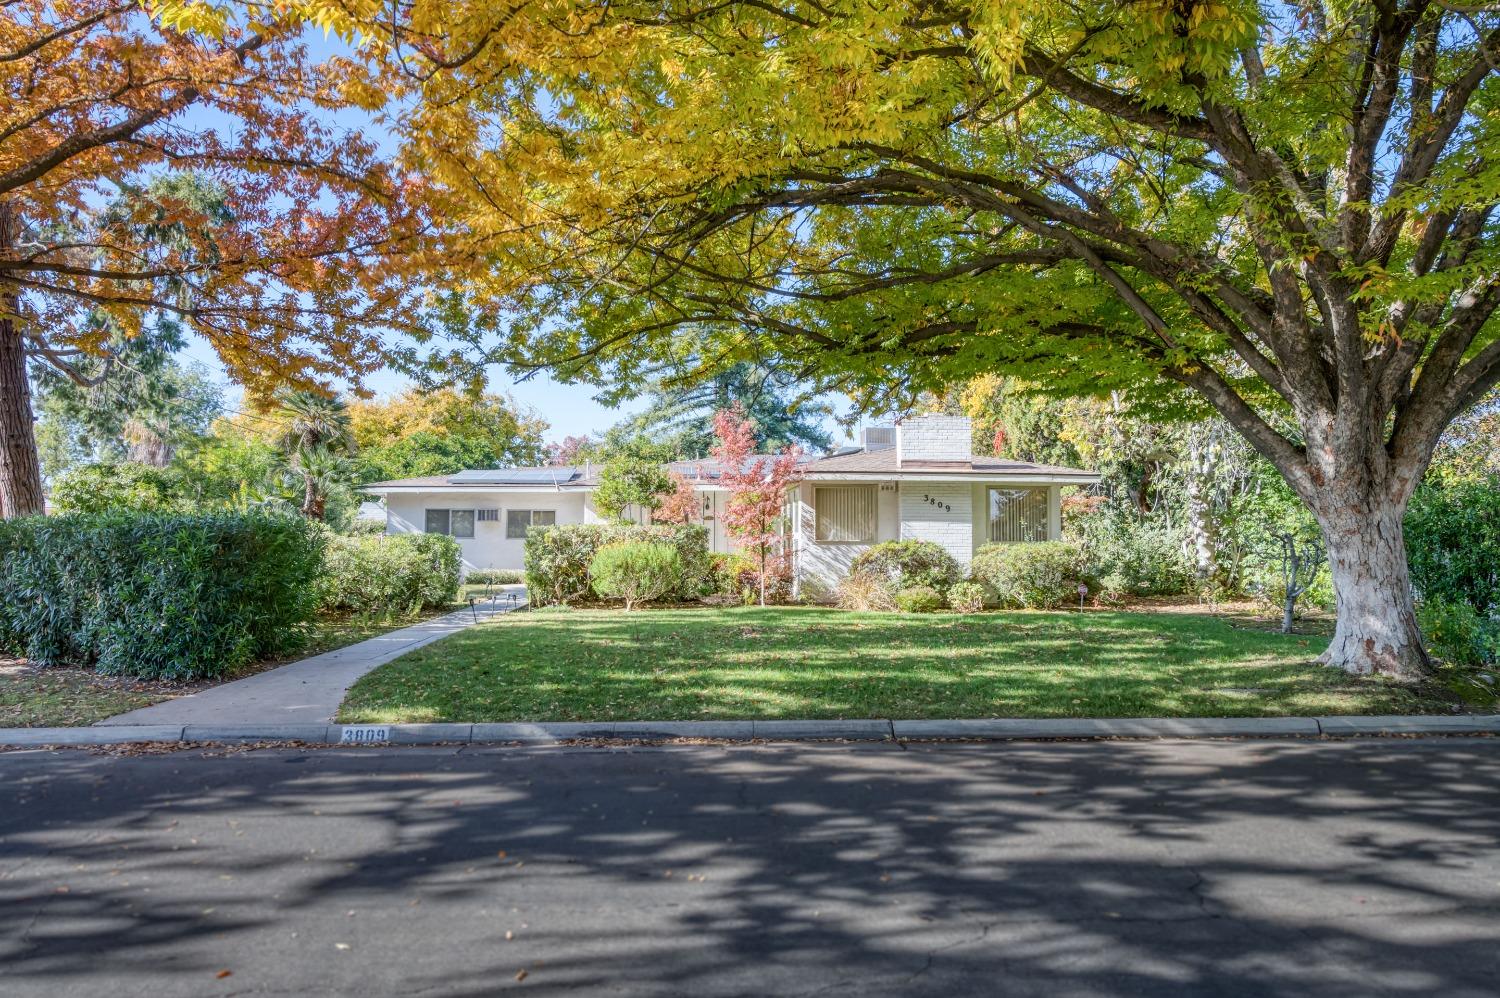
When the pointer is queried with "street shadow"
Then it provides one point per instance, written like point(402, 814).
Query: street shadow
point(1230, 868)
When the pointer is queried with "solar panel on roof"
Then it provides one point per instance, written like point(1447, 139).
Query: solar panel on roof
point(514, 476)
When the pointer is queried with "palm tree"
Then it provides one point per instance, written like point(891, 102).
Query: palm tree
point(315, 420)
point(322, 470)
point(317, 441)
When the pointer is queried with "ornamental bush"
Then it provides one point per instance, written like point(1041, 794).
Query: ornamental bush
point(157, 596)
point(1039, 576)
point(910, 563)
point(635, 571)
point(557, 558)
point(738, 575)
point(919, 599)
point(391, 573)
point(866, 591)
point(1134, 555)
point(966, 597)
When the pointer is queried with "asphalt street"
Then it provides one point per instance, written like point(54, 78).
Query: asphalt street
point(1326, 868)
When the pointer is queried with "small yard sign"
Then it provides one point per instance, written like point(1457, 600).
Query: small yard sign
point(364, 734)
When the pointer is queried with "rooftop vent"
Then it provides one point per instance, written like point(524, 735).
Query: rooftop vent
point(878, 437)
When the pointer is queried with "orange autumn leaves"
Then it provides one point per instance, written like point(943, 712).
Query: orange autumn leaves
point(301, 266)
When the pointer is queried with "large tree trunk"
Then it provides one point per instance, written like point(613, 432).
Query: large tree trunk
point(20, 470)
point(1377, 629)
point(1203, 528)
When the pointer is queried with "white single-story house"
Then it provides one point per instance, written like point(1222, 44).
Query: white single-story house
point(918, 480)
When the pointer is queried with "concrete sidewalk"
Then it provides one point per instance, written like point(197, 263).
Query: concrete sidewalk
point(309, 691)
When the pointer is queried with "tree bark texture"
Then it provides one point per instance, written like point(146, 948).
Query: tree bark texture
point(20, 470)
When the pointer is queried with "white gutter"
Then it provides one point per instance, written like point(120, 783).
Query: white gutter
point(824, 476)
point(1013, 479)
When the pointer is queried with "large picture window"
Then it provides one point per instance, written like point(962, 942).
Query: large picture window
point(453, 522)
point(845, 514)
point(1018, 515)
point(518, 521)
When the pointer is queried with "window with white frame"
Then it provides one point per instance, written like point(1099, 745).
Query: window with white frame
point(518, 521)
point(453, 522)
point(1018, 514)
point(844, 514)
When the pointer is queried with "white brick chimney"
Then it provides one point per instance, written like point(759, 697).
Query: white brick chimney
point(935, 439)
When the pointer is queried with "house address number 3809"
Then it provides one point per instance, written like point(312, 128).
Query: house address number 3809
point(933, 501)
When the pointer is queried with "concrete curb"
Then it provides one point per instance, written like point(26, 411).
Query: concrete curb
point(551, 733)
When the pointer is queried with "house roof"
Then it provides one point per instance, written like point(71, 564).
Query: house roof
point(883, 463)
point(846, 463)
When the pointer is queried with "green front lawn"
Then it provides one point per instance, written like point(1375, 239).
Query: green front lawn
point(795, 662)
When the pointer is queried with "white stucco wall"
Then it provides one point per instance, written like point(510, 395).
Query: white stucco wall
point(489, 547)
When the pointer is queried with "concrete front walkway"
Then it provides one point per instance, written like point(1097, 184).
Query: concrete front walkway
point(311, 690)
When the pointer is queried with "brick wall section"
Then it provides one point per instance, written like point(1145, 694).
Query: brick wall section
point(934, 438)
point(941, 512)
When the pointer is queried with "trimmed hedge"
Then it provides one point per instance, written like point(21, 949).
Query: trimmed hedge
point(1037, 576)
point(636, 571)
point(558, 558)
point(390, 573)
point(495, 576)
point(910, 563)
point(157, 596)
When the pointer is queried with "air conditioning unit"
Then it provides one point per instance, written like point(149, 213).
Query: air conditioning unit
point(879, 437)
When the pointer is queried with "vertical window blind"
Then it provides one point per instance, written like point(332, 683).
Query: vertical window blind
point(845, 513)
point(1018, 515)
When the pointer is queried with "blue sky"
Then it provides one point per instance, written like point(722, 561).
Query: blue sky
point(569, 409)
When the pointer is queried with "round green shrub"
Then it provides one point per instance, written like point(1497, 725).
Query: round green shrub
point(557, 558)
point(391, 573)
point(919, 599)
point(966, 597)
point(636, 571)
point(1040, 576)
point(910, 563)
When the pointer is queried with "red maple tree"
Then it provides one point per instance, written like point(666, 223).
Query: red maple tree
point(758, 487)
point(680, 505)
